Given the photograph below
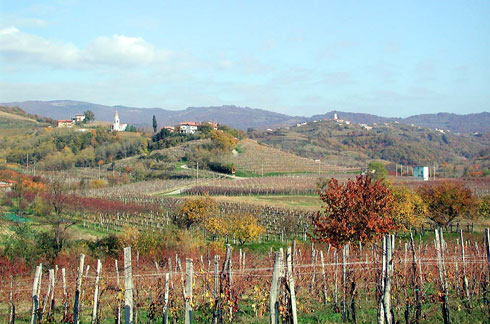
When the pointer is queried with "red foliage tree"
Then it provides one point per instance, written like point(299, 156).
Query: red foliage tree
point(355, 211)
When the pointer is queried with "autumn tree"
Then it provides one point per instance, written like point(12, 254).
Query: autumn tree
point(244, 227)
point(222, 141)
point(195, 210)
point(216, 226)
point(356, 211)
point(56, 195)
point(447, 200)
point(377, 170)
point(408, 210)
point(484, 207)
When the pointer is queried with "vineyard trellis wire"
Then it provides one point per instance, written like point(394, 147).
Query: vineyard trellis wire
point(324, 277)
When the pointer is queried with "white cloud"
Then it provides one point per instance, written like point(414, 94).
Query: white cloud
point(117, 50)
point(19, 46)
point(120, 49)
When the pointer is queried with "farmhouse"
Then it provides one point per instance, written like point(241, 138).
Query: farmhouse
point(65, 123)
point(188, 127)
point(78, 118)
point(171, 129)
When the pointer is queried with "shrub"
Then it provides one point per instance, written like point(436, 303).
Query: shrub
point(222, 168)
point(107, 246)
point(97, 184)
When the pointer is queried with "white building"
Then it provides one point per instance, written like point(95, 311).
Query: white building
point(421, 172)
point(78, 118)
point(116, 125)
point(188, 127)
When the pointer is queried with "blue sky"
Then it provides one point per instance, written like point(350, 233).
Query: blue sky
point(390, 58)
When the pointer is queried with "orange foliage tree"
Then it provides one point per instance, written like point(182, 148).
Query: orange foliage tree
point(355, 211)
point(195, 210)
point(447, 200)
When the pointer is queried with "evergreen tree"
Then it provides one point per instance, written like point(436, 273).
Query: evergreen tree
point(89, 116)
point(154, 124)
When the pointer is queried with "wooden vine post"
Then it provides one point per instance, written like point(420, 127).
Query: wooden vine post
point(388, 280)
point(95, 309)
point(487, 250)
point(35, 294)
point(165, 299)
point(324, 277)
point(78, 289)
point(118, 282)
point(11, 318)
point(381, 283)
point(414, 281)
point(65, 295)
point(128, 287)
point(277, 274)
point(290, 282)
point(441, 267)
point(465, 279)
point(189, 269)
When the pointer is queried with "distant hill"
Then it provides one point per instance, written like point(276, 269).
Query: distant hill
point(390, 141)
point(15, 120)
point(245, 117)
point(236, 117)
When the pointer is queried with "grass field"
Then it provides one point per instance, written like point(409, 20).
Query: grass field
point(300, 202)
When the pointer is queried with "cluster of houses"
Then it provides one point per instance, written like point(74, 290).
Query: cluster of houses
point(68, 123)
point(189, 127)
point(183, 128)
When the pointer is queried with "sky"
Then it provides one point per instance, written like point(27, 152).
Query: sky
point(390, 58)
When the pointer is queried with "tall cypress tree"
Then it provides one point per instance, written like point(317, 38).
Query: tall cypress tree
point(154, 124)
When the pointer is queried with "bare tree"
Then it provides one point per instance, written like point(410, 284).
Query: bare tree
point(57, 197)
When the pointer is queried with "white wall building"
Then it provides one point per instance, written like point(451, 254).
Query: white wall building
point(116, 125)
point(188, 127)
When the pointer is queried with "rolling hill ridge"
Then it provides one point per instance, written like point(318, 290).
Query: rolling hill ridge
point(245, 117)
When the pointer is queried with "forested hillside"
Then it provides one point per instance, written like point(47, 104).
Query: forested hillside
point(393, 142)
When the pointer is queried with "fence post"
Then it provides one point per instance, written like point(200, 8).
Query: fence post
point(465, 279)
point(35, 294)
point(415, 285)
point(381, 283)
point(228, 264)
point(96, 293)
point(128, 287)
point(388, 279)
point(65, 296)
point(274, 291)
point(165, 300)
point(290, 280)
point(324, 277)
point(52, 277)
point(76, 306)
point(439, 243)
point(188, 290)
point(487, 249)
point(118, 310)
point(11, 318)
